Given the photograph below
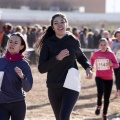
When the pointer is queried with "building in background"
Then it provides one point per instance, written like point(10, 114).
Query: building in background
point(83, 6)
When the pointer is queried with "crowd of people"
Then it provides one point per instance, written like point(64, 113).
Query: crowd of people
point(56, 49)
point(31, 35)
point(88, 38)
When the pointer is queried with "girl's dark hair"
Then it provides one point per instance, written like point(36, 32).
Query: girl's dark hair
point(23, 42)
point(106, 41)
point(49, 31)
point(103, 40)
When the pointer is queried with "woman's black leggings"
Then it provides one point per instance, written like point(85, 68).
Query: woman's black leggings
point(117, 78)
point(103, 87)
point(62, 101)
point(15, 111)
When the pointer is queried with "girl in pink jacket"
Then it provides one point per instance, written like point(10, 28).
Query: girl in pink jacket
point(104, 61)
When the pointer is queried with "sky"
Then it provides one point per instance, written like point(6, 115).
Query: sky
point(112, 6)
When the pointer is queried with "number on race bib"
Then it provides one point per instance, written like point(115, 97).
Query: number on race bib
point(102, 64)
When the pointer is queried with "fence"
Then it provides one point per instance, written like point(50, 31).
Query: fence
point(88, 52)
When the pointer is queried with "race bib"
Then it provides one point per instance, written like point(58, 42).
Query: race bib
point(102, 64)
point(118, 54)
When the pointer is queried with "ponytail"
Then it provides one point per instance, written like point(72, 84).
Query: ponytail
point(46, 35)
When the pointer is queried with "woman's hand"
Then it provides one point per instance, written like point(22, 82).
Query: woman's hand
point(64, 53)
point(89, 73)
point(19, 72)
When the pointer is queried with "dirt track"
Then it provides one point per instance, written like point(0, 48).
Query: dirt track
point(38, 107)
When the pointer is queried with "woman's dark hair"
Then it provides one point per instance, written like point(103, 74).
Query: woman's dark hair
point(116, 32)
point(58, 15)
point(49, 31)
point(23, 42)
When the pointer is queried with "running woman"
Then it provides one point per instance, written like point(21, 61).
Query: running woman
point(58, 55)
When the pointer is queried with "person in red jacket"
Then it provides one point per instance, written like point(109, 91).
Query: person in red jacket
point(105, 61)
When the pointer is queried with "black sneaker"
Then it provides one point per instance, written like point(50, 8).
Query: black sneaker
point(97, 111)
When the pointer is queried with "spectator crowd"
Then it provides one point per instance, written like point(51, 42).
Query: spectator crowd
point(88, 38)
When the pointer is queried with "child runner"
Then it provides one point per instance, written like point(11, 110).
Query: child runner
point(105, 62)
point(17, 77)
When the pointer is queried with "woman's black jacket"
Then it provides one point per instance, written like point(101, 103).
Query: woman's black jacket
point(57, 70)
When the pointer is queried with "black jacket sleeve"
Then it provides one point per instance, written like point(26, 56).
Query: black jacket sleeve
point(46, 63)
